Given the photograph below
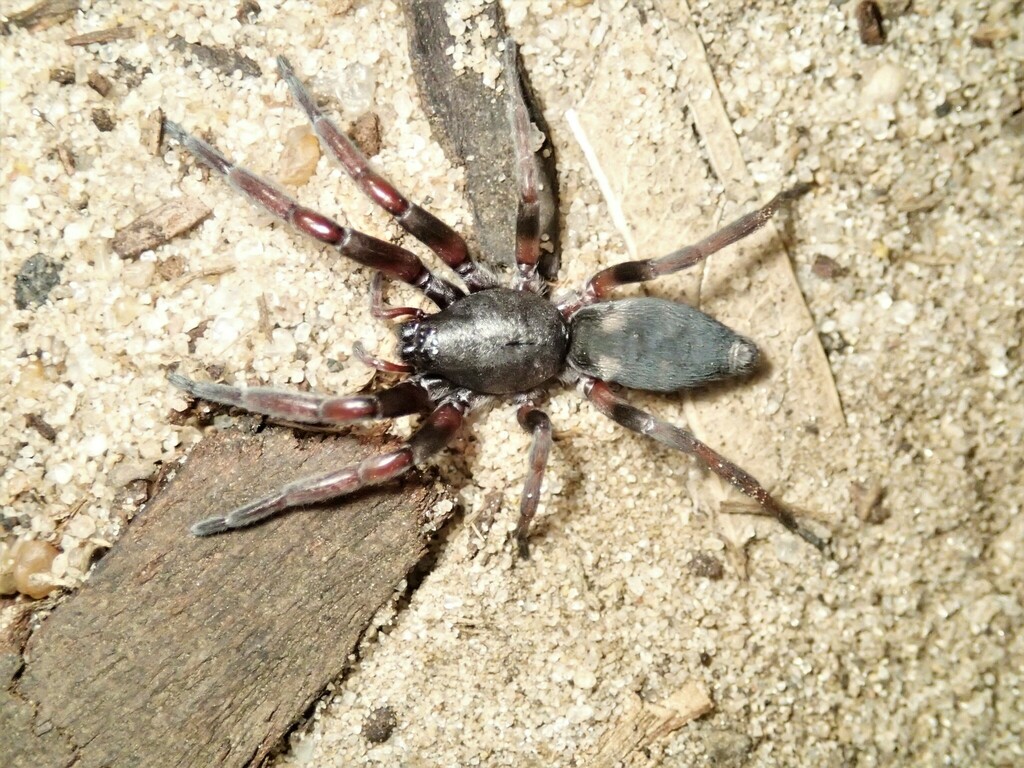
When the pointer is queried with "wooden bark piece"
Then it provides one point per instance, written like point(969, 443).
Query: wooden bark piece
point(159, 225)
point(199, 652)
point(470, 120)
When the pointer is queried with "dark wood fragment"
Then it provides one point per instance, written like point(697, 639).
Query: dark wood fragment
point(159, 225)
point(199, 652)
point(706, 565)
point(215, 57)
point(248, 11)
point(103, 120)
point(380, 724)
point(471, 123)
point(44, 14)
point(869, 23)
point(100, 84)
point(62, 75)
point(40, 425)
point(827, 268)
point(102, 36)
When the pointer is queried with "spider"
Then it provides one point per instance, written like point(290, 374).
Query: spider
point(490, 341)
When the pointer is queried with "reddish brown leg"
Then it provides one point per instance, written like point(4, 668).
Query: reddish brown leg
point(640, 421)
point(309, 408)
point(536, 421)
point(435, 433)
point(528, 216)
point(648, 269)
point(424, 226)
point(393, 261)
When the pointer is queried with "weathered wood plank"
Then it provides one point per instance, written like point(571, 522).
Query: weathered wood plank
point(197, 652)
point(470, 120)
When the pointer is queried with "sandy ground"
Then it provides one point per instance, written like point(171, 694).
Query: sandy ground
point(901, 649)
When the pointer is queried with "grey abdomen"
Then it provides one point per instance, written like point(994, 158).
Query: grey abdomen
point(496, 341)
point(657, 345)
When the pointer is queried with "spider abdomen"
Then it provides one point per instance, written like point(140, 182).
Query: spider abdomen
point(656, 345)
point(496, 341)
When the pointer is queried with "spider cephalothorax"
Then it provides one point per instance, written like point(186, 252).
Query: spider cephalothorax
point(489, 340)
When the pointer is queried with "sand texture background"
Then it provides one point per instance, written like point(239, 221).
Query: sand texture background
point(647, 590)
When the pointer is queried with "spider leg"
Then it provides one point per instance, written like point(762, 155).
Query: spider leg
point(528, 215)
point(633, 418)
point(435, 433)
point(379, 363)
point(392, 260)
point(382, 311)
point(424, 226)
point(309, 408)
point(536, 421)
point(643, 270)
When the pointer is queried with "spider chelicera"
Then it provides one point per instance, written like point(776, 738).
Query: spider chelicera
point(488, 340)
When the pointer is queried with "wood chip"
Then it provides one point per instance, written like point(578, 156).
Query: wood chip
point(217, 58)
point(869, 23)
point(103, 120)
point(44, 15)
point(102, 36)
point(156, 227)
point(642, 724)
point(66, 157)
point(827, 268)
point(100, 84)
point(151, 130)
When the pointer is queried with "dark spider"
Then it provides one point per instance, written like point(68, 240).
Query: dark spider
point(492, 340)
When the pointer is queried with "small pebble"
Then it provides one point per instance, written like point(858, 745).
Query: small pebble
point(885, 85)
point(299, 158)
point(32, 562)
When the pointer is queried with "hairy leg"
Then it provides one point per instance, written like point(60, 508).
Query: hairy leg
point(601, 284)
point(528, 215)
point(392, 260)
point(309, 408)
point(433, 435)
point(633, 418)
point(424, 226)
